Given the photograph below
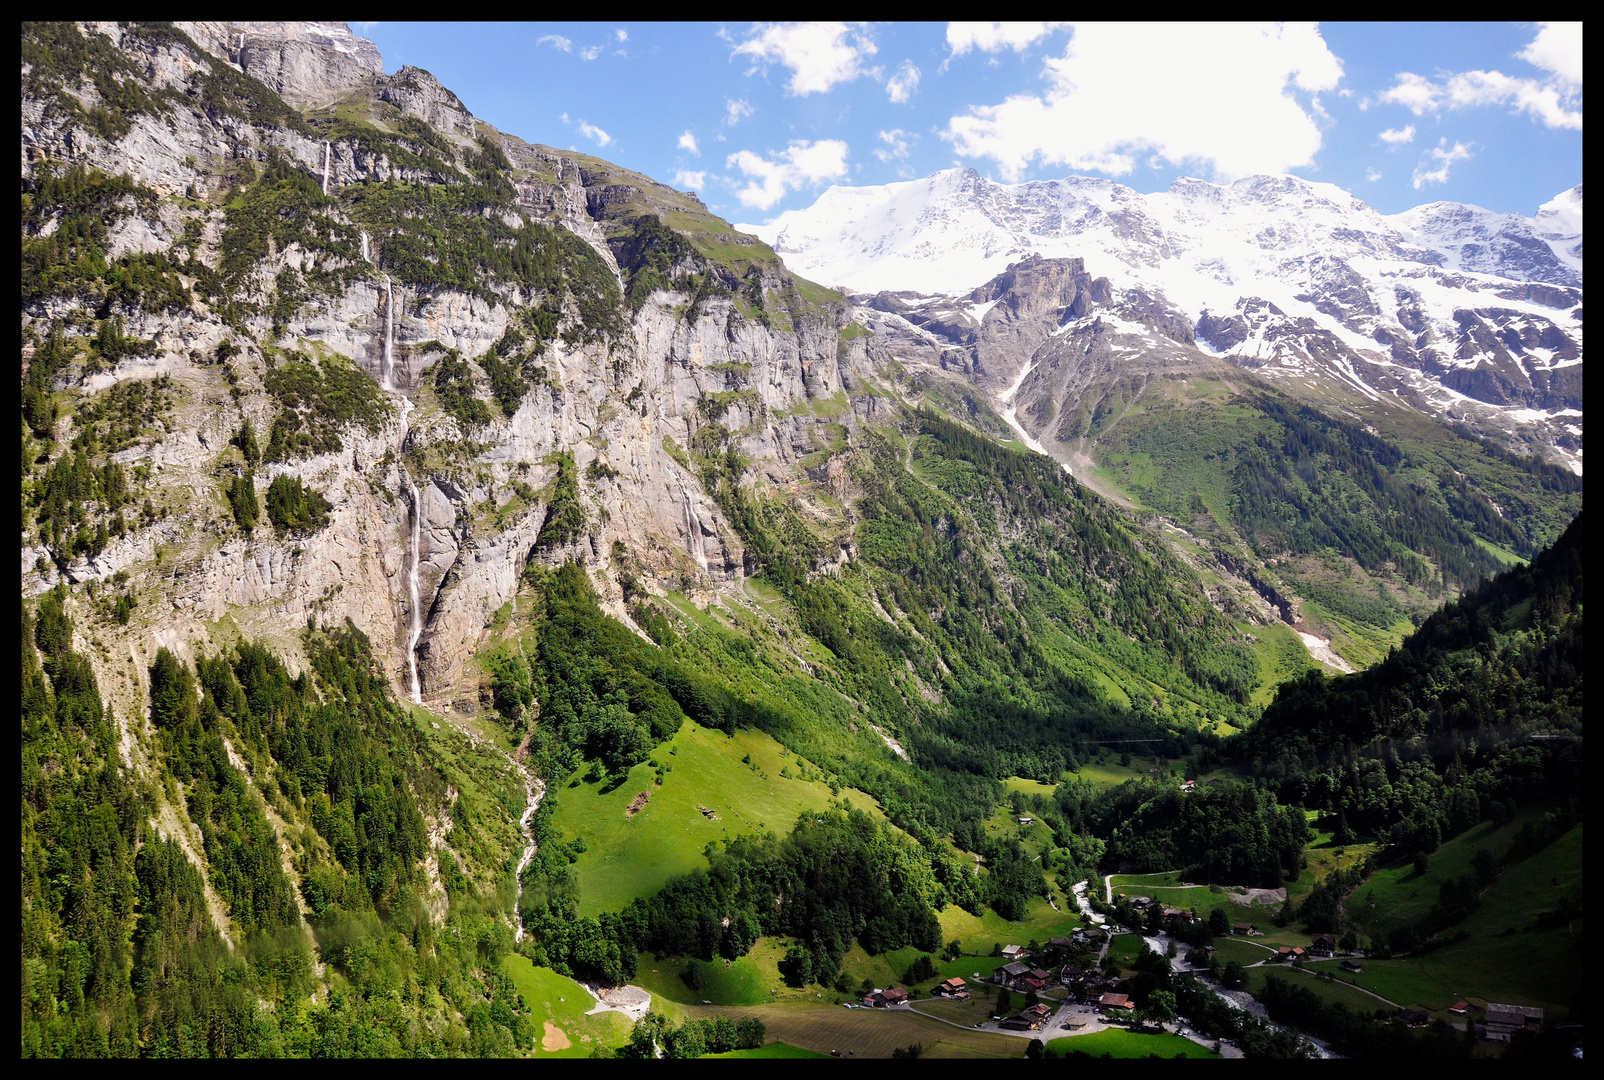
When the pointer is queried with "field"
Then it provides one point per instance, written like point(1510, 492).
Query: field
point(1107, 774)
point(1281, 655)
point(870, 1033)
point(626, 857)
point(770, 1050)
point(1165, 889)
point(1506, 957)
point(1128, 1044)
point(1331, 990)
point(979, 933)
point(559, 1005)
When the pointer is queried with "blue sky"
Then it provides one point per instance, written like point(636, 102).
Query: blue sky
point(760, 118)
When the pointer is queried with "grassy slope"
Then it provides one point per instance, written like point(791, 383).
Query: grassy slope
point(559, 1006)
point(630, 857)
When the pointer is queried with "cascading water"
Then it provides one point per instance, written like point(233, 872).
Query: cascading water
point(693, 526)
point(389, 335)
point(365, 247)
point(534, 791)
point(412, 585)
point(325, 168)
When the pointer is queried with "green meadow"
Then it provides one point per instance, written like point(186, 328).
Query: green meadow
point(1118, 1043)
point(560, 1006)
point(770, 1050)
point(704, 769)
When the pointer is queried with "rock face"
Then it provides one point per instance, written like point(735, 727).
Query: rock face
point(305, 63)
point(622, 403)
point(1300, 282)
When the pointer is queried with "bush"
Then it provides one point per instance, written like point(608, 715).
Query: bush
point(291, 507)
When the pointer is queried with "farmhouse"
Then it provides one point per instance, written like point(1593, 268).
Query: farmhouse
point(1070, 973)
point(954, 987)
point(1028, 1020)
point(1013, 952)
point(1246, 928)
point(1112, 1002)
point(884, 999)
point(1353, 966)
point(1062, 943)
point(1503, 1021)
point(1009, 974)
point(1323, 945)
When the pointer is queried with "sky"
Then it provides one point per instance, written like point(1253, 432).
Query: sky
point(759, 118)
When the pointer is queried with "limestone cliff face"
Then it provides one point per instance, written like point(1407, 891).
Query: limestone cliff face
point(621, 402)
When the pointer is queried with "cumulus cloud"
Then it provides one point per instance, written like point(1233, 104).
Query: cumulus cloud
point(995, 36)
point(1372, 174)
point(590, 52)
point(556, 41)
point(1555, 99)
point(1218, 94)
point(1547, 101)
point(593, 132)
point(1445, 157)
point(735, 109)
point(691, 181)
point(687, 141)
point(798, 165)
point(820, 55)
point(1398, 136)
point(900, 87)
point(1557, 48)
point(621, 35)
point(896, 141)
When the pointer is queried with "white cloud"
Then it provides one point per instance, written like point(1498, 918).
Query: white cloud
point(820, 55)
point(1398, 136)
point(1444, 159)
point(621, 35)
point(735, 109)
point(900, 87)
point(556, 41)
point(564, 118)
point(1555, 100)
point(590, 52)
point(687, 141)
point(896, 141)
point(1217, 94)
point(1372, 174)
point(593, 132)
point(1467, 89)
point(994, 36)
point(800, 164)
point(691, 181)
point(1557, 48)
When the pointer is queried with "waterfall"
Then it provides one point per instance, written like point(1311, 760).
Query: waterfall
point(534, 792)
point(389, 336)
point(693, 526)
point(325, 168)
point(412, 584)
point(365, 257)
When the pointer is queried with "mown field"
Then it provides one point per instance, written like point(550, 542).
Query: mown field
point(770, 1050)
point(626, 857)
point(869, 1033)
point(1117, 1043)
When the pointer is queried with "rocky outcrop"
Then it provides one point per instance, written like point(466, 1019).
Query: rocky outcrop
point(305, 63)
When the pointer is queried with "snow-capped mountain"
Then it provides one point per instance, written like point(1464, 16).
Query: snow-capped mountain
point(1460, 311)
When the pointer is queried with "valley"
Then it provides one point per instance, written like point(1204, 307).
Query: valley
point(477, 602)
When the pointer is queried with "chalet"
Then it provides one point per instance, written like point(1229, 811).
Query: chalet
point(1008, 974)
point(1180, 914)
point(954, 987)
point(1028, 1019)
point(1115, 1003)
point(1247, 929)
point(1027, 821)
point(1353, 966)
point(884, 999)
point(1289, 952)
point(1190, 785)
point(1414, 1017)
point(1459, 1008)
point(1323, 945)
point(1070, 973)
point(1035, 979)
point(1503, 1021)
point(1142, 902)
point(1013, 952)
point(1062, 943)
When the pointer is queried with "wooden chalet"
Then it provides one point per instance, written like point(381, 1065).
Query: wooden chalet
point(1323, 945)
point(954, 987)
point(1120, 1002)
point(1029, 1019)
point(1503, 1021)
